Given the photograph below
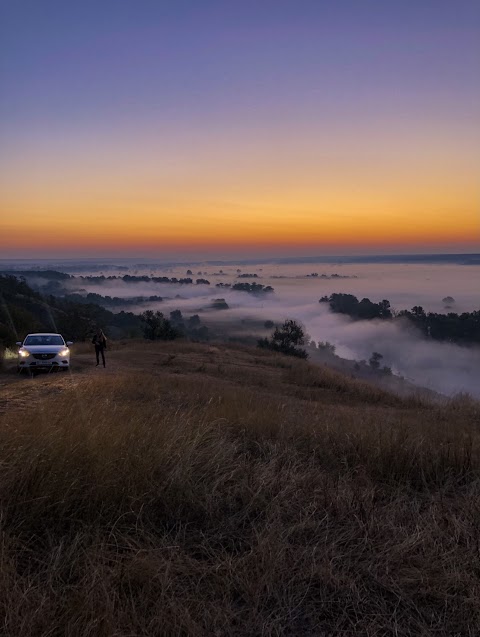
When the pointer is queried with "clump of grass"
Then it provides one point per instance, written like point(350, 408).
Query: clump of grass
point(188, 505)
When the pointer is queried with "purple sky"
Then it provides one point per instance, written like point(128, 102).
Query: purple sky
point(113, 74)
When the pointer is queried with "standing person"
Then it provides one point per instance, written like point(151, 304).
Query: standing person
point(100, 342)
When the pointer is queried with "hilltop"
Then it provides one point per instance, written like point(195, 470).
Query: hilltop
point(223, 490)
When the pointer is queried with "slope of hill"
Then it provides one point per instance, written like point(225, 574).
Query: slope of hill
point(24, 310)
point(198, 490)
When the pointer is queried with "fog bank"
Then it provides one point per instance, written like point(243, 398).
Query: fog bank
point(444, 367)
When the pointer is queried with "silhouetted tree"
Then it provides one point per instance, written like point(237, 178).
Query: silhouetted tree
point(417, 310)
point(219, 304)
point(193, 321)
point(385, 309)
point(157, 327)
point(326, 347)
point(286, 339)
point(252, 288)
point(176, 320)
point(374, 360)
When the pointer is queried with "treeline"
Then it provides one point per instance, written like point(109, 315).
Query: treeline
point(364, 309)
point(50, 282)
point(252, 288)
point(52, 276)
point(131, 278)
point(24, 310)
point(114, 301)
point(315, 275)
point(156, 326)
point(457, 328)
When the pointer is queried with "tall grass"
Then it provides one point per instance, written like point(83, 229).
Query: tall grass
point(187, 505)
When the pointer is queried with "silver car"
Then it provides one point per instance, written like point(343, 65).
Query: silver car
point(43, 351)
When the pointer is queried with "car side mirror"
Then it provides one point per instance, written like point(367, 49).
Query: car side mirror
point(69, 342)
point(19, 343)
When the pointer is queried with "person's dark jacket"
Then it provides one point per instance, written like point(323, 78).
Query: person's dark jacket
point(100, 340)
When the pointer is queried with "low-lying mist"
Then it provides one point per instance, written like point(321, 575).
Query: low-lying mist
point(444, 367)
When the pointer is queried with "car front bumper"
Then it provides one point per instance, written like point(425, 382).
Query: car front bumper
point(28, 363)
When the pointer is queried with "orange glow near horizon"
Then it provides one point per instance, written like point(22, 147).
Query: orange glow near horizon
point(222, 196)
point(117, 225)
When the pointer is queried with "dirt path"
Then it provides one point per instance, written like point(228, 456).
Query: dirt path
point(20, 390)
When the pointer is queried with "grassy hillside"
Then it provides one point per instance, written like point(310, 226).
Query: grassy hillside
point(196, 490)
point(24, 310)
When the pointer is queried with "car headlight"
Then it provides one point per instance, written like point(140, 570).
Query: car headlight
point(64, 352)
point(23, 353)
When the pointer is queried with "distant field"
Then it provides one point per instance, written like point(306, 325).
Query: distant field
point(211, 490)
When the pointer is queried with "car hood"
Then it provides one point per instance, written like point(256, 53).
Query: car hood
point(44, 349)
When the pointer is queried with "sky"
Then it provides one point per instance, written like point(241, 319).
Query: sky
point(229, 129)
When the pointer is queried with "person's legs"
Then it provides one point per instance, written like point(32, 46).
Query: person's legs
point(97, 354)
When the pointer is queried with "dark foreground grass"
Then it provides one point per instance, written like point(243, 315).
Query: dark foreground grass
point(184, 505)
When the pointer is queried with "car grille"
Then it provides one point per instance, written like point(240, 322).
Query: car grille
point(44, 357)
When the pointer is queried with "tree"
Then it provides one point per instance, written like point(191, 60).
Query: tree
point(219, 304)
point(193, 322)
point(367, 310)
point(252, 288)
point(286, 339)
point(157, 327)
point(374, 360)
point(385, 309)
point(417, 310)
point(326, 346)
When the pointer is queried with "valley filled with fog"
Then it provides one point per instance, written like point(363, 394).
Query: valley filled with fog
point(442, 366)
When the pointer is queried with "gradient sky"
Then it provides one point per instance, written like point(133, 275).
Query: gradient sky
point(215, 128)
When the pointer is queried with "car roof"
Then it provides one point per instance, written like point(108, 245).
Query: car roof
point(43, 334)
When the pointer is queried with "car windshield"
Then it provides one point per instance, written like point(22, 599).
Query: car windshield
point(44, 339)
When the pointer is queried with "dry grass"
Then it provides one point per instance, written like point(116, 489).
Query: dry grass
point(177, 503)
